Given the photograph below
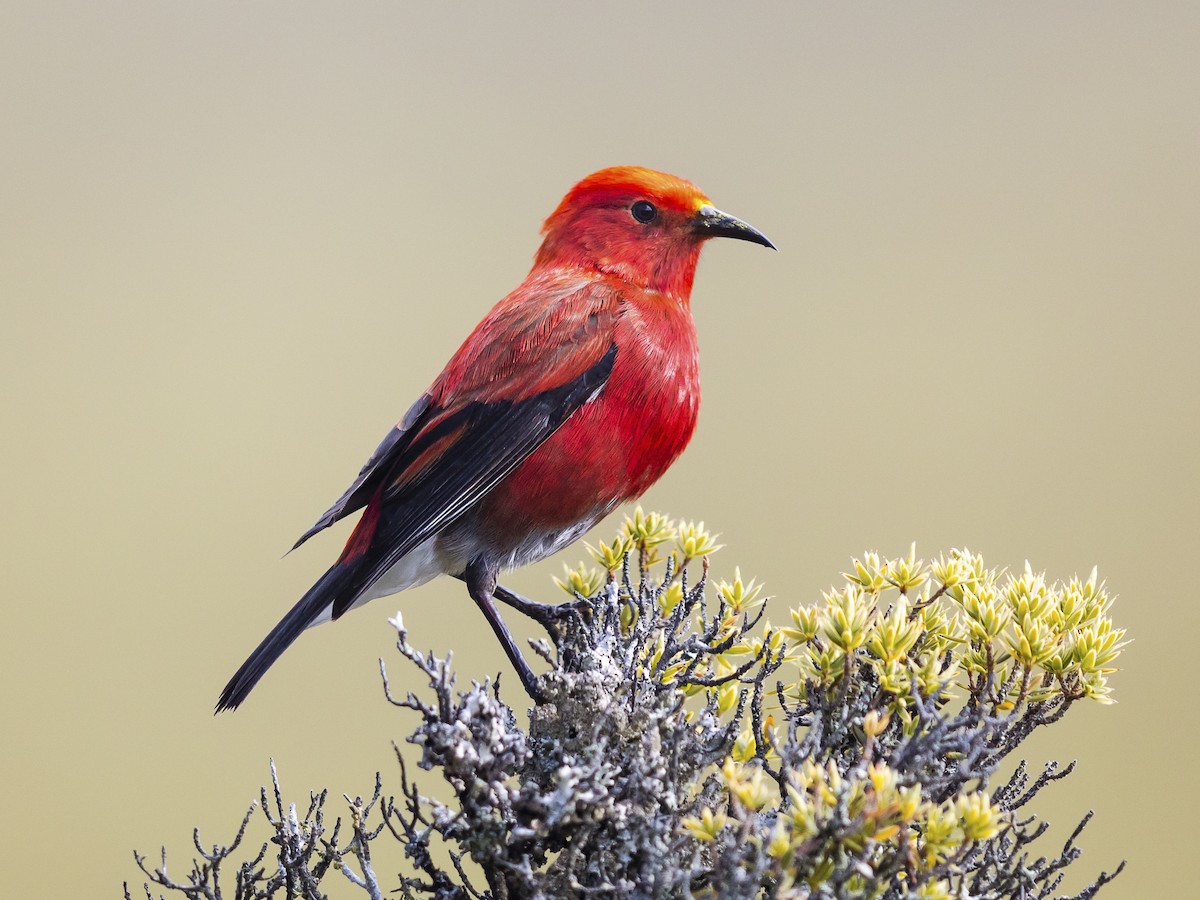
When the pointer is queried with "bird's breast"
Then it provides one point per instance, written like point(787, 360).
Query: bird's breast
point(618, 444)
point(650, 404)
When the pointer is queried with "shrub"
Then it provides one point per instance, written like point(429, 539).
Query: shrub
point(689, 748)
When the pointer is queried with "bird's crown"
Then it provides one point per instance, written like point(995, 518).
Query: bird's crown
point(618, 185)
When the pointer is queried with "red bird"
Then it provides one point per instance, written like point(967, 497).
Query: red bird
point(573, 395)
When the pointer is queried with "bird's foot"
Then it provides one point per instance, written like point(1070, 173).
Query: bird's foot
point(529, 681)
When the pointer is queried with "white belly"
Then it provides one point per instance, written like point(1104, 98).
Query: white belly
point(417, 567)
point(449, 552)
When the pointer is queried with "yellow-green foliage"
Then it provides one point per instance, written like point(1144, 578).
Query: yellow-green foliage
point(951, 630)
point(1037, 640)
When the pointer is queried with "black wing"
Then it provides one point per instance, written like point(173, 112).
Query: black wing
point(489, 441)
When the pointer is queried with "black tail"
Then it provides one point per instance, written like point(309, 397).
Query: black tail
point(327, 589)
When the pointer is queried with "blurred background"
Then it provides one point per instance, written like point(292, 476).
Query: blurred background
point(237, 240)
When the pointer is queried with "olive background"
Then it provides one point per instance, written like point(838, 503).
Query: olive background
point(237, 240)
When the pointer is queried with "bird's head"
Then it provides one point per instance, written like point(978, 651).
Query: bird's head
point(640, 225)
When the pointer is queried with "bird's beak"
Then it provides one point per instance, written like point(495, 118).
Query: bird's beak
point(711, 222)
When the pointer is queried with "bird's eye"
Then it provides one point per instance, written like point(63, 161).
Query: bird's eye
point(643, 211)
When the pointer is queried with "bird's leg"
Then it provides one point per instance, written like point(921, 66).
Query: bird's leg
point(545, 614)
point(481, 585)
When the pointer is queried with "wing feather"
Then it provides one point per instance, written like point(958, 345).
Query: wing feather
point(539, 354)
point(495, 438)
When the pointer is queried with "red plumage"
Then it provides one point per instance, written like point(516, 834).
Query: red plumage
point(615, 447)
point(574, 394)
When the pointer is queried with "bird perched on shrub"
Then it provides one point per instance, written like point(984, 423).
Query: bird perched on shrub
point(574, 394)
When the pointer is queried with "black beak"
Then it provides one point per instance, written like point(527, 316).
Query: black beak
point(711, 222)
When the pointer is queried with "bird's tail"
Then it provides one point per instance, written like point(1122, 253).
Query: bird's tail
point(308, 609)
